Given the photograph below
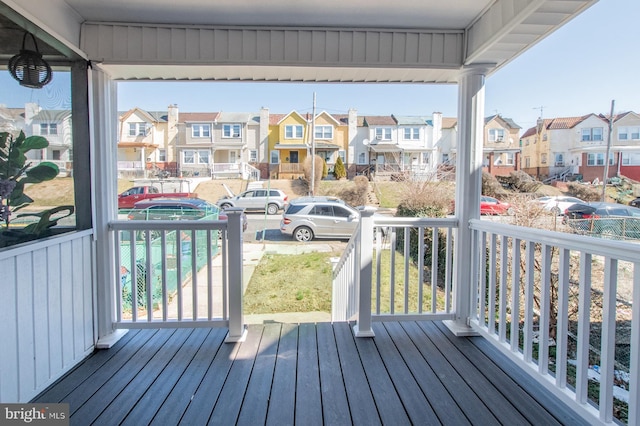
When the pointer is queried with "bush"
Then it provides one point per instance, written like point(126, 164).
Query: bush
point(522, 182)
point(306, 169)
point(356, 194)
point(339, 171)
point(491, 186)
point(584, 192)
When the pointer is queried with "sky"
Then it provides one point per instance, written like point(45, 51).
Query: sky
point(577, 70)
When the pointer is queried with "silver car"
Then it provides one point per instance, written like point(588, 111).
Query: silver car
point(269, 200)
point(319, 217)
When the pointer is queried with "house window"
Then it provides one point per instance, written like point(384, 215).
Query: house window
point(138, 129)
point(362, 158)
point(231, 130)
point(597, 159)
point(189, 157)
point(48, 128)
point(324, 132)
point(55, 155)
point(635, 133)
point(162, 155)
point(543, 158)
point(590, 134)
point(527, 162)
point(201, 130)
point(293, 131)
point(631, 158)
point(622, 134)
point(509, 158)
point(253, 156)
point(275, 157)
point(411, 133)
point(496, 135)
point(203, 157)
point(445, 158)
point(425, 157)
point(560, 160)
point(383, 133)
point(343, 155)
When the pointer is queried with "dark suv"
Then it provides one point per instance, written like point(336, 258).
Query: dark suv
point(173, 209)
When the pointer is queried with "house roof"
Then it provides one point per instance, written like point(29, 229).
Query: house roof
point(379, 120)
point(410, 120)
point(508, 122)
point(193, 117)
point(234, 117)
point(52, 115)
point(449, 122)
point(558, 123)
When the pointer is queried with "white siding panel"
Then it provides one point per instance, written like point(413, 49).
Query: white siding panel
point(66, 265)
point(40, 315)
point(24, 319)
point(54, 309)
point(78, 298)
point(88, 303)
point(8, 332)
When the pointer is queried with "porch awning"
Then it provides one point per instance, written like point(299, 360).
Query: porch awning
point(291, 146)
point(385, 148)
point(216, 146)
point(327, 146)
point(136, 145)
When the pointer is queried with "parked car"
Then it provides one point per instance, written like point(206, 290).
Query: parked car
point(604, 219)
point(128, 198)
point(172, 209)
point(557, 204)
point(490, 205)
point(307, 218)
point(269, 200)
point(635, 203)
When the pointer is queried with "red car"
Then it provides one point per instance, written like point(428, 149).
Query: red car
point(490, 205)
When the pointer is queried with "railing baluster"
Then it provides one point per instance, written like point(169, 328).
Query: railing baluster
point(378, 270)
point(148, 274)
point(482, 279)
point(492, 284)
point(515, 294)
point(434, 269)
point(179, 272)
point(120, 283)
point(194, 274)
point(420, 269)
point(608, 343)
point(634, 370)
point(562, 325)
point(165, 296)
point(392, 277)
point(447, 273)
point(407, 262)
point(134, 277)
point(528, 301)
point(503, 300)
point(210, 242)
point(545, 309)
point(584, 328)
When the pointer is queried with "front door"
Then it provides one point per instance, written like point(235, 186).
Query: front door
point(293, 157)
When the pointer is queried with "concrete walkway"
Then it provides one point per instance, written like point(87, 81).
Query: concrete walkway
point(252, 255)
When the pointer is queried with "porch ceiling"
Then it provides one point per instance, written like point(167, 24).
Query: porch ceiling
point(282, 40)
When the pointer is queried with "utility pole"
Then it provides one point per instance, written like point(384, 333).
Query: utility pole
point(606, 157)
point(313, 146)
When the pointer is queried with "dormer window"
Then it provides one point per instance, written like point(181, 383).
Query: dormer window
point(496, 135)
point(138, 129)
point(48, 129)
point(383, 133)
point(324, 132)
point(201, 130)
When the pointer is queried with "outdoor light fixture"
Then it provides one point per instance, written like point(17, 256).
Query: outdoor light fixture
point(28, 67)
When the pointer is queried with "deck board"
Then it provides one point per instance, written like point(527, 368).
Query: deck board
point(307, 374)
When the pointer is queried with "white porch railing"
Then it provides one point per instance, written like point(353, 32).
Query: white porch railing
point(242, 170)
point(557, 304)
point(179, 274)
point(398, 277)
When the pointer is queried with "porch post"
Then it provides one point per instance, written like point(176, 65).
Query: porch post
point(364, 263)
point(237, 330)
point(468, 188)
point(103, 128)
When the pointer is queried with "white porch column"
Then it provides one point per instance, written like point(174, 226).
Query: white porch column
point(103, 116)
point(468, 187)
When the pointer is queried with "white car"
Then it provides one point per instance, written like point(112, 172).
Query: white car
point(269, 200)
point(557, 204)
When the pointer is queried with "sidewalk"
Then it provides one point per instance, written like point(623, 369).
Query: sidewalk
point(252, 255)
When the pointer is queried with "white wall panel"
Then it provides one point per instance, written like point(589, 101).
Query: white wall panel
point(47, 310)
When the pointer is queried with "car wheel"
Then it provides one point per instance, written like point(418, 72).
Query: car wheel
point(225, 206)
point(303, 234)
point(556, 211)
point(272, 209)
point(511, 211)
point(608, 233)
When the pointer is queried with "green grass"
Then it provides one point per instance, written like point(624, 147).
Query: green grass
point(290, 283)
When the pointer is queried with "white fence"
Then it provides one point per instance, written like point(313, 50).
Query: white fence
point(179, 273)
point(562, 307)
point(46, 312)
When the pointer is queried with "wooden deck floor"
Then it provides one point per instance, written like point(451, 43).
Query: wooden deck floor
point(307, 374)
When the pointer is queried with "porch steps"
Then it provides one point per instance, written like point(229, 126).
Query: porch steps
point(372, 198)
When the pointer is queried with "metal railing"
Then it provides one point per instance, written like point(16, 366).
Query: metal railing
point(179, 273)
point(395, 268)
point(561, 306)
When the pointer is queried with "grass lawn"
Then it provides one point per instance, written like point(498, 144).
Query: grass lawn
point(302, 283)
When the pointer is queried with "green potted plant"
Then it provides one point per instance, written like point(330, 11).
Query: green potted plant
point(15, 173)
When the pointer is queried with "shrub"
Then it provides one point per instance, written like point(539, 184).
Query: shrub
point(584, 192)
point(306, 169)
point(356, 194)
point(339, 171)
point(522, 182)
point(491, 186)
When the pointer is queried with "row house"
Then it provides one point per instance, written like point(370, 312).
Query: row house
point(501, 144)
point(293, 136)
point(563, 147)
point(143, 142)
point(54, 125)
